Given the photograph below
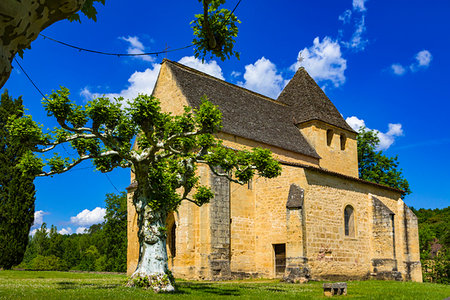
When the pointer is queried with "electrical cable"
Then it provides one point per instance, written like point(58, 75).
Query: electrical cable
point(128, 54)
point(114, 54)
point(40, 92)
point(32, 82)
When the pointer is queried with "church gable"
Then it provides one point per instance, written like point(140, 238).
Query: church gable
point(244, 113)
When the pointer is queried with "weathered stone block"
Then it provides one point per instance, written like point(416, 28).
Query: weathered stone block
point(334, 289)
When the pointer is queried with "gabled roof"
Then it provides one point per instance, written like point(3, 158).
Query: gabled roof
point(244, 113)
point(308, 101)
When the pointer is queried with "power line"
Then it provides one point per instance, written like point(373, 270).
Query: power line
point(115, 54)
point(29, 78)
point(239, 2)
point(128, 54)
point(109, 179)
point(32, 82)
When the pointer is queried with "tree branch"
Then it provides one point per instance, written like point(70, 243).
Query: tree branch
point(79, 160)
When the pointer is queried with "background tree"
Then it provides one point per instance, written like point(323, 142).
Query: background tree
point(169, 148)
point(17, 193)
point(434, 238)
point(376, 167)
point(115, 231)
point(22, 21)
point(101, 248)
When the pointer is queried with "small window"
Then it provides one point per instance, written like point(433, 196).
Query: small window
point(349, 221)
point(329, 136)
point(250, 184)
point(280, 259)
point(172, 240)
point(343, 141)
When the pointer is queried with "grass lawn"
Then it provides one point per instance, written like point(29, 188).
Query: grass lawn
point(66, 285)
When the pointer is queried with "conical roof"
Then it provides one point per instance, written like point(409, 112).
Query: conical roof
point(308, 101)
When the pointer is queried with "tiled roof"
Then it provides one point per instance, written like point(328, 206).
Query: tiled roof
point(244, 113)
point(308, 101)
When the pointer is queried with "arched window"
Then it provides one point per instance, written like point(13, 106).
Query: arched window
point(343, 141)
point(172, 240)
point(349, 221)
point(329, 136)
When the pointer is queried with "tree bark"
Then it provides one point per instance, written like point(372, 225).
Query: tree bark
point(153, 258)
point(21, 21)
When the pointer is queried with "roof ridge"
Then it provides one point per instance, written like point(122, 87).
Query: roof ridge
point(223, 81)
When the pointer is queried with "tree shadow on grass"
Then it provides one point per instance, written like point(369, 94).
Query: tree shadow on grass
point(68, 285)
point(187, 287)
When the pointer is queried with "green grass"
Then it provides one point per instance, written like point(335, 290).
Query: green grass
point(66, 285)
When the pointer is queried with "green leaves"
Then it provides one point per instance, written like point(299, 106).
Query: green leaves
point(203, 195)
point(25, 131)
point(103, 111)
point(215, 31)
point(376, 167)
point(88, 10)
point(58, 104)
point(208, 116)
point(86, 146)
point(30, 164)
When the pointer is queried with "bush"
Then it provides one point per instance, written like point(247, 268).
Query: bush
point(48, 263)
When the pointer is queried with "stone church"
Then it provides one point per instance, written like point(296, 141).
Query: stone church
point(317, 220)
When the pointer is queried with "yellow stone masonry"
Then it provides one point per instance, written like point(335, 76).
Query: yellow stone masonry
point(248, 230)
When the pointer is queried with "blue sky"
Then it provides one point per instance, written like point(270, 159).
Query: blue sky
point(382, 63)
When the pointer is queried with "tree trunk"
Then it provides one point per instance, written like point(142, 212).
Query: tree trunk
point(152, 270)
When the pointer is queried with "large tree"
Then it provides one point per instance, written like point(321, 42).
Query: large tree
point(17, 191)
point(375, 166)
point(22, 21)
point(167, 152)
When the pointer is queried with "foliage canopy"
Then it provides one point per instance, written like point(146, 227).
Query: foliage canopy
point(375, 166)
point(17, 193)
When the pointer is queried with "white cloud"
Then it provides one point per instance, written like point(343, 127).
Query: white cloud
point(358, 5)
point(139, 83)
point(236, 74)
point(87, 217)
point(263, 77)
point(386, 139)
point(323, 61)
point(67, 230)
point(423, 60)
point(398, 69)
point(144, 82)
point(136, 47)
point(346, 16)
point(211, 68)
point(81, 230)
point(357, 42)
point(355, 123)
point(39, 218)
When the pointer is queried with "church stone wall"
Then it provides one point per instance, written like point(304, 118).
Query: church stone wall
point(379, 247)
point(333, 158)
point(235, 235)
